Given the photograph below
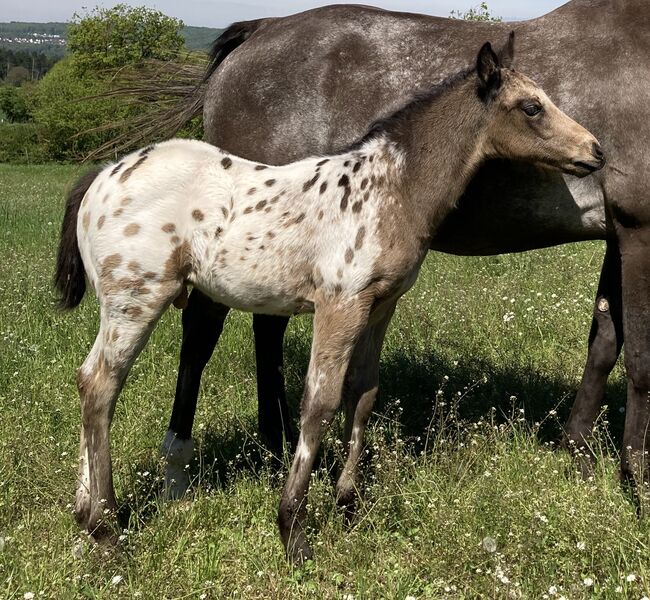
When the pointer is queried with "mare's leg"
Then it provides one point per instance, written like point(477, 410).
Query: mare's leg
point(336, 331)
point(634, 241)
point(272, 409)
point(605, 342)
point(360, 391)
point(122, 335)
point(202, 325)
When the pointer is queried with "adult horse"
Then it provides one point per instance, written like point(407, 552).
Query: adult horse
point(280, 89)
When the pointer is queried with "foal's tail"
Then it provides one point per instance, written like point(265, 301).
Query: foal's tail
point(70, 276)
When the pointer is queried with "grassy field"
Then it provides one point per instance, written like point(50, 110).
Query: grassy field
point(465, 493)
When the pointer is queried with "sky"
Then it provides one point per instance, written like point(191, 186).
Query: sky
point(218, 13)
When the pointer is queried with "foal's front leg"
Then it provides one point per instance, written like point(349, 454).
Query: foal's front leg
point(337, 327)
point(359, 394)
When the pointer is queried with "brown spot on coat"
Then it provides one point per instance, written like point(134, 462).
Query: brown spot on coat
point(252, 191)
point(134, 266)
point(118, 212)
point(198, 215)
point(218, 231)
point(349, 255)
point(126, 201)
point(169, 228)
point(224, 211)
point(309, 184)
point(344, 182)
point(85, 221)
point(131, 229)
point(275, 199)
point(260, 205)
point(358, 242)
point(356, 167)
point(100, 221)
point(269, 182)
point(296, 220)
point(364, 183)
point(260, 167)
point(356, 207)
point(320, 163)
point(116, 169)
point(248, 210)
point(175, 239)
point(270, 234)
point(226, 162)
point(127, 172)
point(339, 273)
point(320, 215)
point(323, 187)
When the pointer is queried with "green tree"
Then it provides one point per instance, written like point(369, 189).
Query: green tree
point(13, 104)
point(122, 35)
point(476, 13)
point(17, 75)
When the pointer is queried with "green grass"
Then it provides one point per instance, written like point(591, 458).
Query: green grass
point(480, 368)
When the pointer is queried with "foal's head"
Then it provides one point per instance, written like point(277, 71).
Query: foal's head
point(525, 124)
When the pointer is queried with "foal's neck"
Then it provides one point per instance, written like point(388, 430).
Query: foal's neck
point(441, 141)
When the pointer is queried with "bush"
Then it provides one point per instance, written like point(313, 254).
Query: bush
point(19, 143)
point(13, 103)
point(66, 117)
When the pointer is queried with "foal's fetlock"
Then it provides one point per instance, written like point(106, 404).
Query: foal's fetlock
point(103, 526)
point(177, 454)
point(347, 499)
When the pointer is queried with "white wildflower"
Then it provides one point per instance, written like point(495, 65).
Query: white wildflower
point(489, 544)
point(630, 578)
point(552, 590)
point(28, 595)
point(509, 316)
point(581, 545)
point(588, 581)
point(116, 580)
point(409, 598)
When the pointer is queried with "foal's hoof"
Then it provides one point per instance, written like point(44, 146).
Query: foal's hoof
point(347, 502)
point(299, 552)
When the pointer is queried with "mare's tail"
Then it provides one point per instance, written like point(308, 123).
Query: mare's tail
point(70, 276)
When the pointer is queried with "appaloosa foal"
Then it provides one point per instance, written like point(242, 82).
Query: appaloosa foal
point(341, 236)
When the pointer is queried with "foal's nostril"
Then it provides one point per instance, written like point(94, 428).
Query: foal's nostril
point(597, 151)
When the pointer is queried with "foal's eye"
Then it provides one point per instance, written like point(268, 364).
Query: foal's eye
point(531, 108)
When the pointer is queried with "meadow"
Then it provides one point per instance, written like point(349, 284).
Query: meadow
point(465, 492)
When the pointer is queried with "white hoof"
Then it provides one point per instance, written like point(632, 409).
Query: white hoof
point(177, 455)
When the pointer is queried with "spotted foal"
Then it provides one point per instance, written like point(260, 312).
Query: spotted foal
point(342, 236)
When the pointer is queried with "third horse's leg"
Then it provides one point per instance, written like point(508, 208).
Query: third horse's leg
point(272, 409)
point(202, 325)
point(605, 342)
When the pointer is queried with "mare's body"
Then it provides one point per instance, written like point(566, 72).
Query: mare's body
point(281, 89)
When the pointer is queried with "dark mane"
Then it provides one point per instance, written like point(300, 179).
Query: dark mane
point(418, 100)
point(235, 35)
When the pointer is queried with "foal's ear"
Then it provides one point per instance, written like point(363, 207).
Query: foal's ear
point(507, 53)
point(488, 71)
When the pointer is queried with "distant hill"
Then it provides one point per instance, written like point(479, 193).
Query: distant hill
point(49, 38)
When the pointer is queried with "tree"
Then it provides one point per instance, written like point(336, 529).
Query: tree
point(17, 75)
point(477, 13)
point(122, 35)
point(13, 105)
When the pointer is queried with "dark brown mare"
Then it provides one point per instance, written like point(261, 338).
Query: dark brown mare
point(281, 89)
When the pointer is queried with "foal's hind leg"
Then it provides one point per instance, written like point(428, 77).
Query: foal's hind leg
point(122, 335)
point(360, 392)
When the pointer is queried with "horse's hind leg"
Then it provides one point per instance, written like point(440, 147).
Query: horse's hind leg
point(605, 342)
point(122, 335)
point(203, 322)
point(272, 410)
point(360, 392)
